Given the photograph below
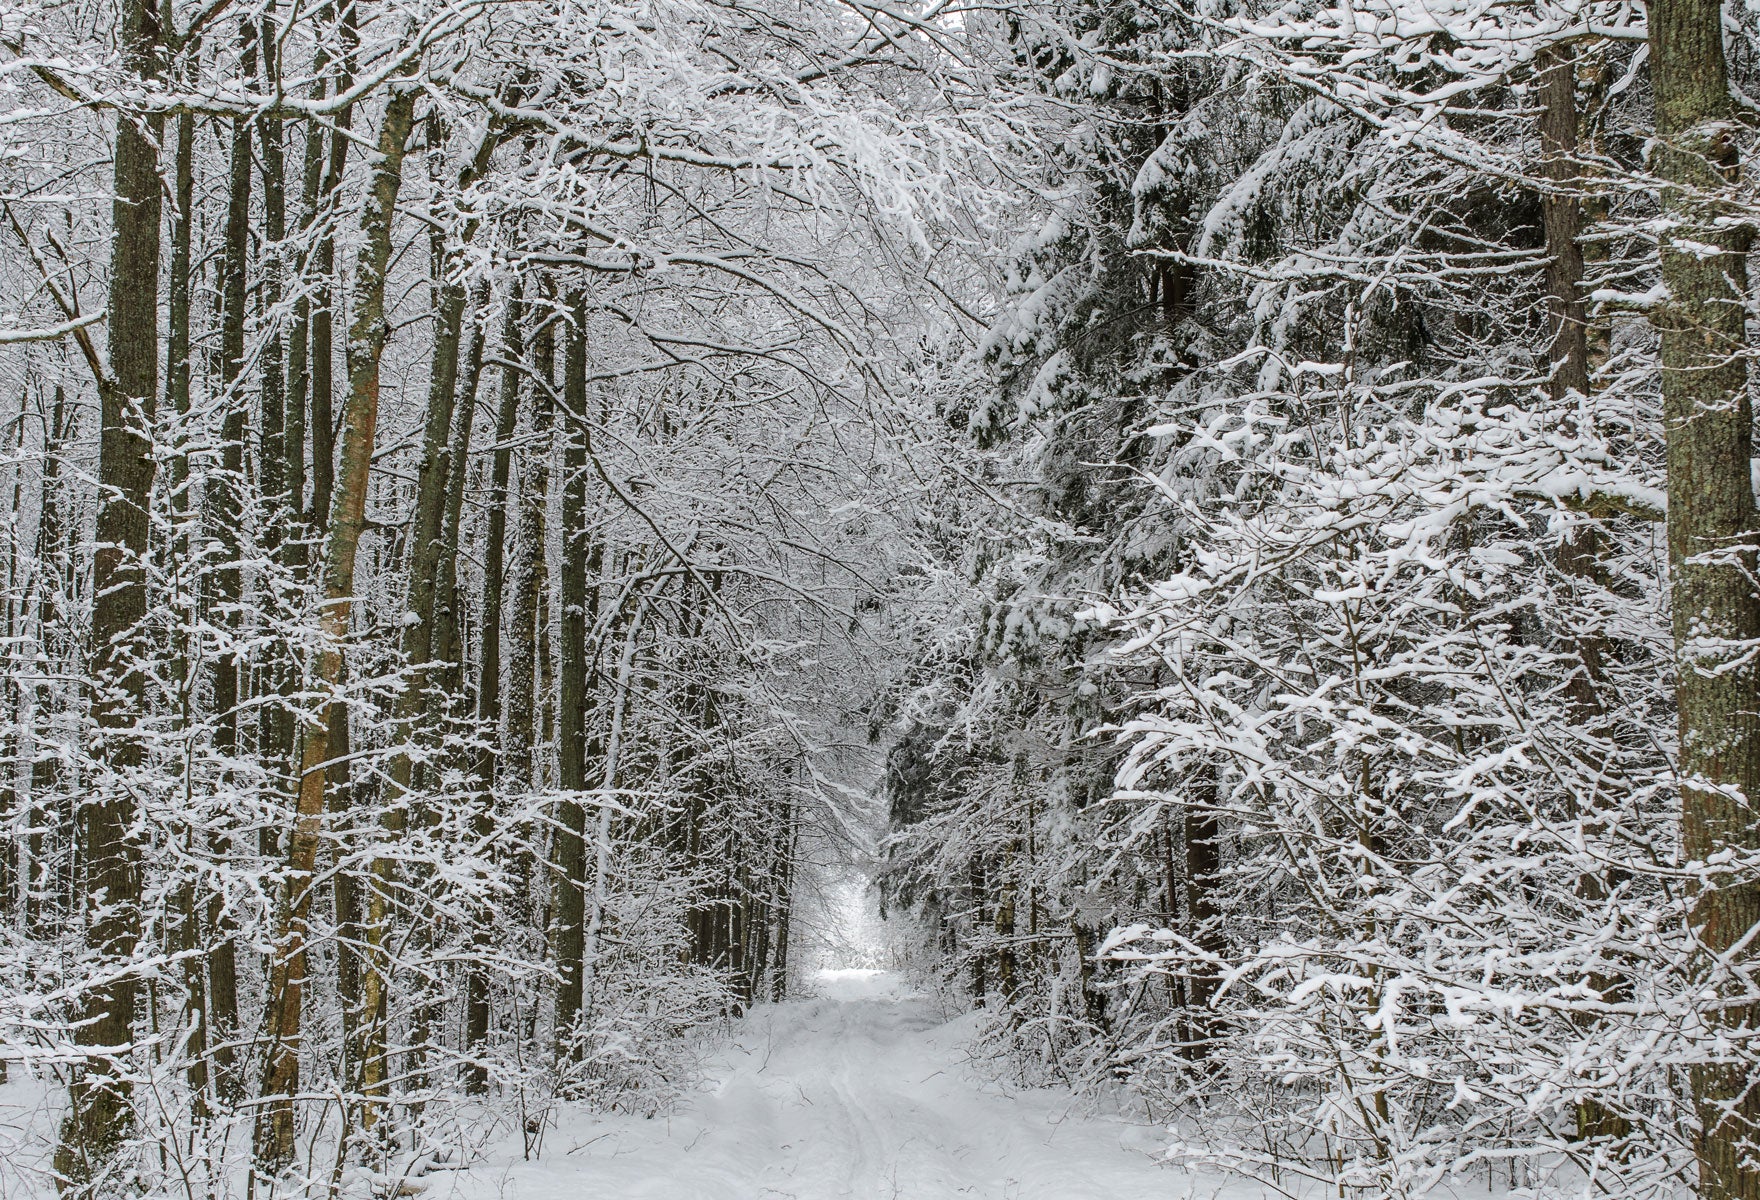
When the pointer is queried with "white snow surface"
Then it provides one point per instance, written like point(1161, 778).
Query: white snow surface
point(865, 1092)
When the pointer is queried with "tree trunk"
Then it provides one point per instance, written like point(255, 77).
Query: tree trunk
point(426, 525)
point(227, 513)
point(489, 663)
point(442, 467)
point(784, 905)
point(525, 581)
point(273, 1141)
point(571, 704)
point(526, 585)
point(99, 1096)
point(448, 615)
point(1579, 552)
point(1203, 869)
point(276, 447)
point(299, 370)
point(596, 917)
point(1561, 216)
point(345, 894)
point(1711, 534)
point(52, 557)
point(272, 444)
point(178, 302)
point(323, 353)
point(188, 936)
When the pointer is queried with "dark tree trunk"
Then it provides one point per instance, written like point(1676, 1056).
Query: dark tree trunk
point(345, 893)
point(1203, 869)
point(178, 299)
point(275, 446)
point(299, 363)
point(187, 936)
point(323, 356)
point(1561, 215)
point(1712, 529)
point(1579, 553)
point(42, 901)
point(448, 613)
point(526, 577)
point(226, 520)
point(272, 445)
point(571, 720)
point(99, 1112)
point(489, 660)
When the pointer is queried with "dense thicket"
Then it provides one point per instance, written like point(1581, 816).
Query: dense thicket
point(1346, 745)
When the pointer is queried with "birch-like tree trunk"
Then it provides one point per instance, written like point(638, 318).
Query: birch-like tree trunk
point(274, 1134)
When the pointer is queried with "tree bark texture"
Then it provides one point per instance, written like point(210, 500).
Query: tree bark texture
point(1712, 529)
point(99, 1114)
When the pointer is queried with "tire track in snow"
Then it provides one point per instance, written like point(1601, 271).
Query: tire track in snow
point(858, 1095)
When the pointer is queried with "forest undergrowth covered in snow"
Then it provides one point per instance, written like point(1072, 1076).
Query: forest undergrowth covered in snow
point(1236, 518)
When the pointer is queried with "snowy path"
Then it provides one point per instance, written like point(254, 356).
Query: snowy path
point(861, 1094)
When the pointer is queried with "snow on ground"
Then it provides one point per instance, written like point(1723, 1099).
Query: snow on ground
point(30, 1110)
point(862, 1092)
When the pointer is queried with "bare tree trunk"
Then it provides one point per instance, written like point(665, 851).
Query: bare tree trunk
point(495, 550)
point(595, 925)
point(489, 662)
point(1561, 215)
point(784, 905)
point(323, 353)
point(272, 434)
point(571, 702)
point(276, 447)
point(1203, 870)
point(188, 934)
point(227, 507)
point(99, 1112)
point(441, 475)
point(1712, 528)
point(299, 369)
point(1579, 553)
point(525, 577)
point(345, 893)
point(273, 1140)
point(225, 521)
point(525, 583)
point(178, 298)
point(448, 617)
point(52, 579)
point(426, 526)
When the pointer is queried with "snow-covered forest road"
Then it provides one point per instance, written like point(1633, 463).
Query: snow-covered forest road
point(863, 1092)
